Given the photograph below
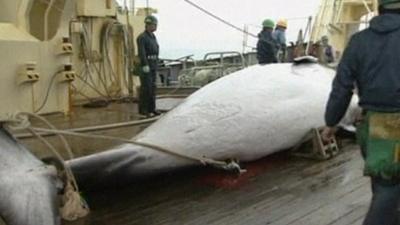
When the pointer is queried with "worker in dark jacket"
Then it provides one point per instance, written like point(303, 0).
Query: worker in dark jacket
point(371, 64)
point(327, 53)
point(148, 50)
point(266, 45)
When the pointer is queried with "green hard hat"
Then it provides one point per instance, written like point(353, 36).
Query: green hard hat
point(387, 2)
point(268, 23)
point(151, 20)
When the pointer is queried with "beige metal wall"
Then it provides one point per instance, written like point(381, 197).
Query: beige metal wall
point(339, 19)
point(13, 46)
point(8, 9)
point(23, 41)
point(19, 48)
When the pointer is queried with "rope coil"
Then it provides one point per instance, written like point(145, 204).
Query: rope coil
point(72, 205)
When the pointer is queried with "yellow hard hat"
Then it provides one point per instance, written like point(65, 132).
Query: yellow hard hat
point(282, 23)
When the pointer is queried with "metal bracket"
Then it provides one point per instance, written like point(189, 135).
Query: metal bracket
point(319, 150)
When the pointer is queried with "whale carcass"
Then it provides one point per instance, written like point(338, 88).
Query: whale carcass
point(246, 115)
point(28, 193)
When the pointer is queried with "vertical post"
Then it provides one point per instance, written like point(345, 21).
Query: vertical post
point(147, 8)
point(133, 5)
point(46, 19)
point(245, 38)
point(70, 99)
point(367, 6)
point(308, 28)
point(129, 35)
point(33, 97)
point(108, 4)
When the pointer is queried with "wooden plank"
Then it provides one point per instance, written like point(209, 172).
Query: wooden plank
point(292, 191)
point(352, 216)
point(337, 209)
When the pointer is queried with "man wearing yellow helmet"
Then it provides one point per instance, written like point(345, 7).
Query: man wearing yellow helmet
point(279, 35)
point(371, 64)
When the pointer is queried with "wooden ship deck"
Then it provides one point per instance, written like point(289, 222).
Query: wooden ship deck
point(278, 190)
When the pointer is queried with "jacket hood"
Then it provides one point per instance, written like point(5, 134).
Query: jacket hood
point(264, 33)
point(385, 23)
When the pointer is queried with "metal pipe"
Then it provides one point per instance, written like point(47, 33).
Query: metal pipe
point(95, 128)
point(245, 38)
point(308, 29)
point(147, 8)
point(172, 96)
point(126, 5)
point(367, 7)
point(318, 22)
point(133, 6)
point(108, 4)
point(46, 18)
point(130, 33)
point(339, 15)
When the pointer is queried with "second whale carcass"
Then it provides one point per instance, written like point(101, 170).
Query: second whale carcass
point(246, 115)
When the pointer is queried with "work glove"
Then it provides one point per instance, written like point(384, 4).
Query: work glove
point(146, 69)
point(328, 133)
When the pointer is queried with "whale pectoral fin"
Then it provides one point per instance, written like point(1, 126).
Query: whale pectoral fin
point(28, 199)
point(2, 222)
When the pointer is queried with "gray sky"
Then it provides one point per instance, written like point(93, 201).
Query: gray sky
point(185, 30)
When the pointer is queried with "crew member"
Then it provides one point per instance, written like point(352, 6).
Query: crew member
point(148, 50)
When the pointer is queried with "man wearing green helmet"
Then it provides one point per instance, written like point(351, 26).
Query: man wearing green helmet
point(148, 50)
point(371, 64)
point(266, 45)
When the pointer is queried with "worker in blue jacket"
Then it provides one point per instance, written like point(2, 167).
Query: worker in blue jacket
point(148, 50)
point(371, 65)
point(279, 36)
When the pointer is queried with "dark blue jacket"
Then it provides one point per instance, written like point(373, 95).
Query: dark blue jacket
point(371, 61)
point(148, 49)
point(266, 48)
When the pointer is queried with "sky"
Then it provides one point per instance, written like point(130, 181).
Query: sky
point(185, 30)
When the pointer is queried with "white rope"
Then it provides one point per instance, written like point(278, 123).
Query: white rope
point(68, 171)
point(17, 122)
point(21, 120)
point(230, 166)
point(72, 205)
point(24, 123)
point(24, 116)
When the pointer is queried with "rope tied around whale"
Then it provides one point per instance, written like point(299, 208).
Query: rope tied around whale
point(230, 165)
point(72, 205)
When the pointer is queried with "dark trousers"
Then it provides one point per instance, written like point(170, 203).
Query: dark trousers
point(384, 208)
point(147, 95)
